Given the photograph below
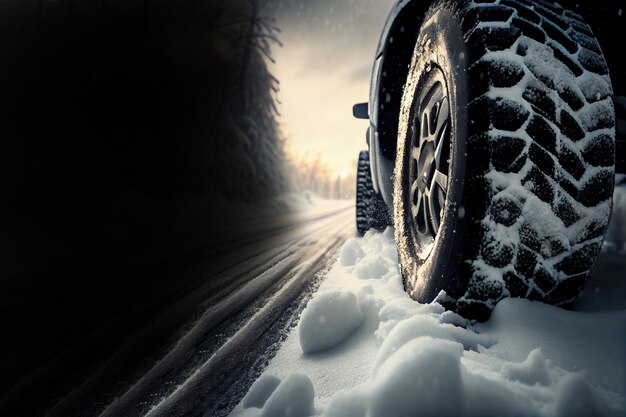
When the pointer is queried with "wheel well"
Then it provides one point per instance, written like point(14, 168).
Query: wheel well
point(397, 55)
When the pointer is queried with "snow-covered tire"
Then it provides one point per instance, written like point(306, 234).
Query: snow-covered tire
point(532, 155)
point(371, 210)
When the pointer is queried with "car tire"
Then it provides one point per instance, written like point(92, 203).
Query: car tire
point(516, 183)
point(371, 210)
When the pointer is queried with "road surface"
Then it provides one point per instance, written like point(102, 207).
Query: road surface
point(223, 329)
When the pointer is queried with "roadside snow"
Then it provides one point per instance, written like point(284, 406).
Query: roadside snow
point(379, 353)
point(328, 320)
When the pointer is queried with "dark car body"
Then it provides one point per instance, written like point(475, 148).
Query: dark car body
point(395, 51)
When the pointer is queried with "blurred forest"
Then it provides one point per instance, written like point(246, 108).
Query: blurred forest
point(309, 173)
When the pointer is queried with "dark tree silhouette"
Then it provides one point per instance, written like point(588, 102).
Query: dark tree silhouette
point(165, 98)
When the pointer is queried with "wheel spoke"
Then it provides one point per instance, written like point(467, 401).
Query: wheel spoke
point(413, 189)
point(442, 118)
point(441, 143)
point(425, 211)
point(442, 201)
point(429, 165)
point(436, 96)
point(434, 213)
point(441, 180)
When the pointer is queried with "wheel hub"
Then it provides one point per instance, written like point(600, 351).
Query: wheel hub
point(430, 152)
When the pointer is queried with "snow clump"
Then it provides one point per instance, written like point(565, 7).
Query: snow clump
point(260, 391)
point(269, 397)
point(293, 398)
point(534, 370)
point(351, 253)
point(422, 378)
point(328, 319)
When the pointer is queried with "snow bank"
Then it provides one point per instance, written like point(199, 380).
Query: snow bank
point(328, 319)
point(412, 359)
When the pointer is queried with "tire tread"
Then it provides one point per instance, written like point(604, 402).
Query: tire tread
point(371, 211)
point(558, 156)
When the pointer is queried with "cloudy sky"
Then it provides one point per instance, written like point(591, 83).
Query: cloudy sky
point(324, 68)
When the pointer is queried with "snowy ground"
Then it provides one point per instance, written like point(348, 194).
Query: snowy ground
point(364, 348)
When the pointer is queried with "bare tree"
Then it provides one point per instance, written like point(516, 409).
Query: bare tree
point(310, 173)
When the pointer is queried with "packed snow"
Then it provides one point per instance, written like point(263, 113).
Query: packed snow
point(363, 348)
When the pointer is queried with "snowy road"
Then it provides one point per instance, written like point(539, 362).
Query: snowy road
point(363, 348)
point(239, 320)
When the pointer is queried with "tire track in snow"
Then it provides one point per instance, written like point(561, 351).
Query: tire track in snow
point(277, 281)
point(227, 273)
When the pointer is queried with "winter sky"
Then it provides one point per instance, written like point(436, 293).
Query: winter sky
point(324, 68)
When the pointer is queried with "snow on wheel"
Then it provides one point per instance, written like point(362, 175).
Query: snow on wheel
point(371, 211)
point(505, 167)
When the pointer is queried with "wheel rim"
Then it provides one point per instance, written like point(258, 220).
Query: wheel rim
point(430, 153)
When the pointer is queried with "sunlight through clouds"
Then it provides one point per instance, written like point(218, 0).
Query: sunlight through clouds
point(324, 68)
